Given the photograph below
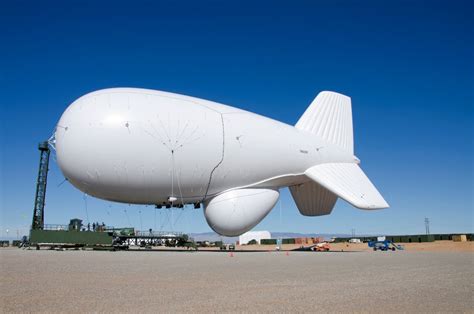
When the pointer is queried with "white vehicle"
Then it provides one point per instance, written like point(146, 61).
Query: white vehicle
point(150, 147)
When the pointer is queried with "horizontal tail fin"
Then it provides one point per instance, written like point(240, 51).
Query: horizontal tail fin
point(330, 117)
point(349, 182)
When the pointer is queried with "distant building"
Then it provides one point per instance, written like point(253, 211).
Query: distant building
point(254, 235)
point(355, 240)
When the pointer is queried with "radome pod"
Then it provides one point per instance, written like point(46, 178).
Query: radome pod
point(236, 212)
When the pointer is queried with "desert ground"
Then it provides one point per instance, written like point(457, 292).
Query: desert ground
point(437, 246)
point(161, 281)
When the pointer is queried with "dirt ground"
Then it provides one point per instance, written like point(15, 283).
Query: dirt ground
point(437, 246)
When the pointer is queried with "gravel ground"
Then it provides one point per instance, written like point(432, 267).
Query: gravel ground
point(90, 281)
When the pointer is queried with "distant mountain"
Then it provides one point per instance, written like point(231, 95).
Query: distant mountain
point(308, 235)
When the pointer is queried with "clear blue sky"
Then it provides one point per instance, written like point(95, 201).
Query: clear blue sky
point(408, 66)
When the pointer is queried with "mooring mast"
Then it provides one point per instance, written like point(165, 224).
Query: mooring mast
point(38, 211)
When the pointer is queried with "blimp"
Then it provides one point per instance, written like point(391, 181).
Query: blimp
point(141, 146)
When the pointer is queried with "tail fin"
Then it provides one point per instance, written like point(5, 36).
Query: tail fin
point(312, 199)
point(349, 182)
point(330, 117)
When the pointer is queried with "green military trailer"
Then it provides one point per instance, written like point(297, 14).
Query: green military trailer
point(69, 236)
point(66, 238)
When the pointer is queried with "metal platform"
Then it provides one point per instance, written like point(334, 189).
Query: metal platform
point(153, 238)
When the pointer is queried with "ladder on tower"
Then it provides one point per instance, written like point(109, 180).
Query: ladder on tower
point(38, 211)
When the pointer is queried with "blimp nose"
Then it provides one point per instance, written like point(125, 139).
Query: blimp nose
point(73, 144)
point(107, 147)
point(93, 144)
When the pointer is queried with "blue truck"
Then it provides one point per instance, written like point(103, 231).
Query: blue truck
point(385, 245)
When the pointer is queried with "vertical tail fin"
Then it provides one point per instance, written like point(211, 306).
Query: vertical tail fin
point(330, 117)
point(312, 199)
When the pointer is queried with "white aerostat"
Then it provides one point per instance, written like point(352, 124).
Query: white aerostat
point(150, 147)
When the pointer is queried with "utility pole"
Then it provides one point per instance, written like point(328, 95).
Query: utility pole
point(353, 232)
point(427, 226)
point(141, 223)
